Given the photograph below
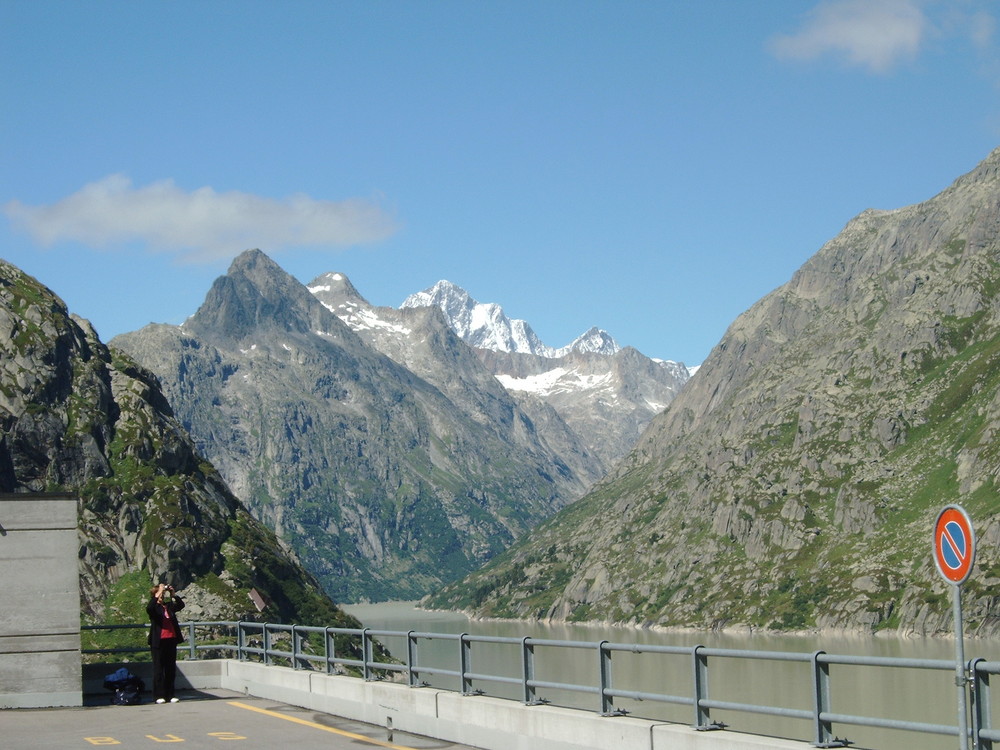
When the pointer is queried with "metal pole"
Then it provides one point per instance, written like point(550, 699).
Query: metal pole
point(465, 661)
point(981, 719)
point(329, 650)
point(960, 679)
point(604, 676)
point(411, 658)
point(702, 718)
point(821, 700)
point(528, 693)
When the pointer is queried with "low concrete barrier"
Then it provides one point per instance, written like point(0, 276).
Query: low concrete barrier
point(191, 675)
point(476, 720)
point(480, 721)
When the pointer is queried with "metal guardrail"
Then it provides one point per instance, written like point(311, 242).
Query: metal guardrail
point(295, 645)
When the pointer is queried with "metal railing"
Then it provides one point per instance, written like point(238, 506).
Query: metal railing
point(304, 647)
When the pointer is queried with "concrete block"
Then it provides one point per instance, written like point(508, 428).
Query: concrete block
point(200, 674)
point(35, 512)
point(40, 586)
point(676, 737)
point(339, 695)
point(18, 644)
point(27, 677)
point(47, 699)
point(40, 596)
point(408, 709)
point(497, 723)
point(277, 683)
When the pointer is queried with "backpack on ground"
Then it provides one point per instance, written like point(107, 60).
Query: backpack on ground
point(127, 688)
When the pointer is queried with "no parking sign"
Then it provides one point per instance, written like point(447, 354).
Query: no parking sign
point(954, 555)
point(954, 544)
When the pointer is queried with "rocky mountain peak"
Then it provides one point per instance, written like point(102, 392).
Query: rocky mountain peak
point(988, 170)
point(256, 295)
point(595, 341)
point(482, 325)
point(486, 326)
point(334, 289)
point(338, 295)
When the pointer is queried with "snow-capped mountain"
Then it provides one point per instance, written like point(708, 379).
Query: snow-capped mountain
point(388, 472)
point(603, 394)
point(595, 341)
point(484, 325)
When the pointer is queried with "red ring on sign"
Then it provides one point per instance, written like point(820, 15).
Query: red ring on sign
point(954, 544)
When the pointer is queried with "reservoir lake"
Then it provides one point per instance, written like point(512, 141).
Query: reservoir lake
point(921, 695)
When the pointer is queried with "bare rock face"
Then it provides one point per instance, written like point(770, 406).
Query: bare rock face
point(389, 463)
point(78, 417)
point(592, 396)
point(793, 482)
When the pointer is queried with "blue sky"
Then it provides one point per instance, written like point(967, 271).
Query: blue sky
point(651, 168)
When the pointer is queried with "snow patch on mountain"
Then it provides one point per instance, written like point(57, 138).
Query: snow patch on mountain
point(361, 318)
point(556, 380)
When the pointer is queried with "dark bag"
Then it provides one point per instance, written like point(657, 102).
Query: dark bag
point(126, 686)
point(129, 694)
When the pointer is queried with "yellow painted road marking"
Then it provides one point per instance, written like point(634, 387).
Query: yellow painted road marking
point(315, 725)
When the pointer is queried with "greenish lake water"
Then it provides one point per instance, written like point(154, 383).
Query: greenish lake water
point(921, 695)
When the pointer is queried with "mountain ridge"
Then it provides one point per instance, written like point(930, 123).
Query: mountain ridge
point(385, 473)
point(823, 433)
point(82, 418)
point(593, 397)
point(487, 326)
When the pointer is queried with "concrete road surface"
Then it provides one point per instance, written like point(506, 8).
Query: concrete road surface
point(216, 719)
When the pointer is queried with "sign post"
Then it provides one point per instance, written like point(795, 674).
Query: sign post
point(954, 556)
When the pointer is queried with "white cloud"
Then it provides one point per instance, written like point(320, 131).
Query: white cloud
point(874, 34)
point(202, 225)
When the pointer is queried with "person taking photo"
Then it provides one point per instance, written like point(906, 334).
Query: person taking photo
point(164, 637)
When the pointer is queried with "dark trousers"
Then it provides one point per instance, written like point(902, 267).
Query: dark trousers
point(164, 668)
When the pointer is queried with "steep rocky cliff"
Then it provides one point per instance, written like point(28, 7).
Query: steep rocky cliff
point(80, 418)
point(794, 482)
point(386, 480)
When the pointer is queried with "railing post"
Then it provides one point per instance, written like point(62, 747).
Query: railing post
point(411, 659)
point(702, 718)
point(296, 647)
point(366, 654)
point(465, 653)
point(192, 650)
point(241, 641)
point(821, 700)
point(329, 650)
point(266, 633)
point(982, 719)
point(604, 671)
point(528, 672)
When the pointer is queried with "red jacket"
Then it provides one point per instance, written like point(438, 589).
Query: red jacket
point(155, 611)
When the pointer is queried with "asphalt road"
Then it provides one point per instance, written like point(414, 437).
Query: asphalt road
point(217, 719)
